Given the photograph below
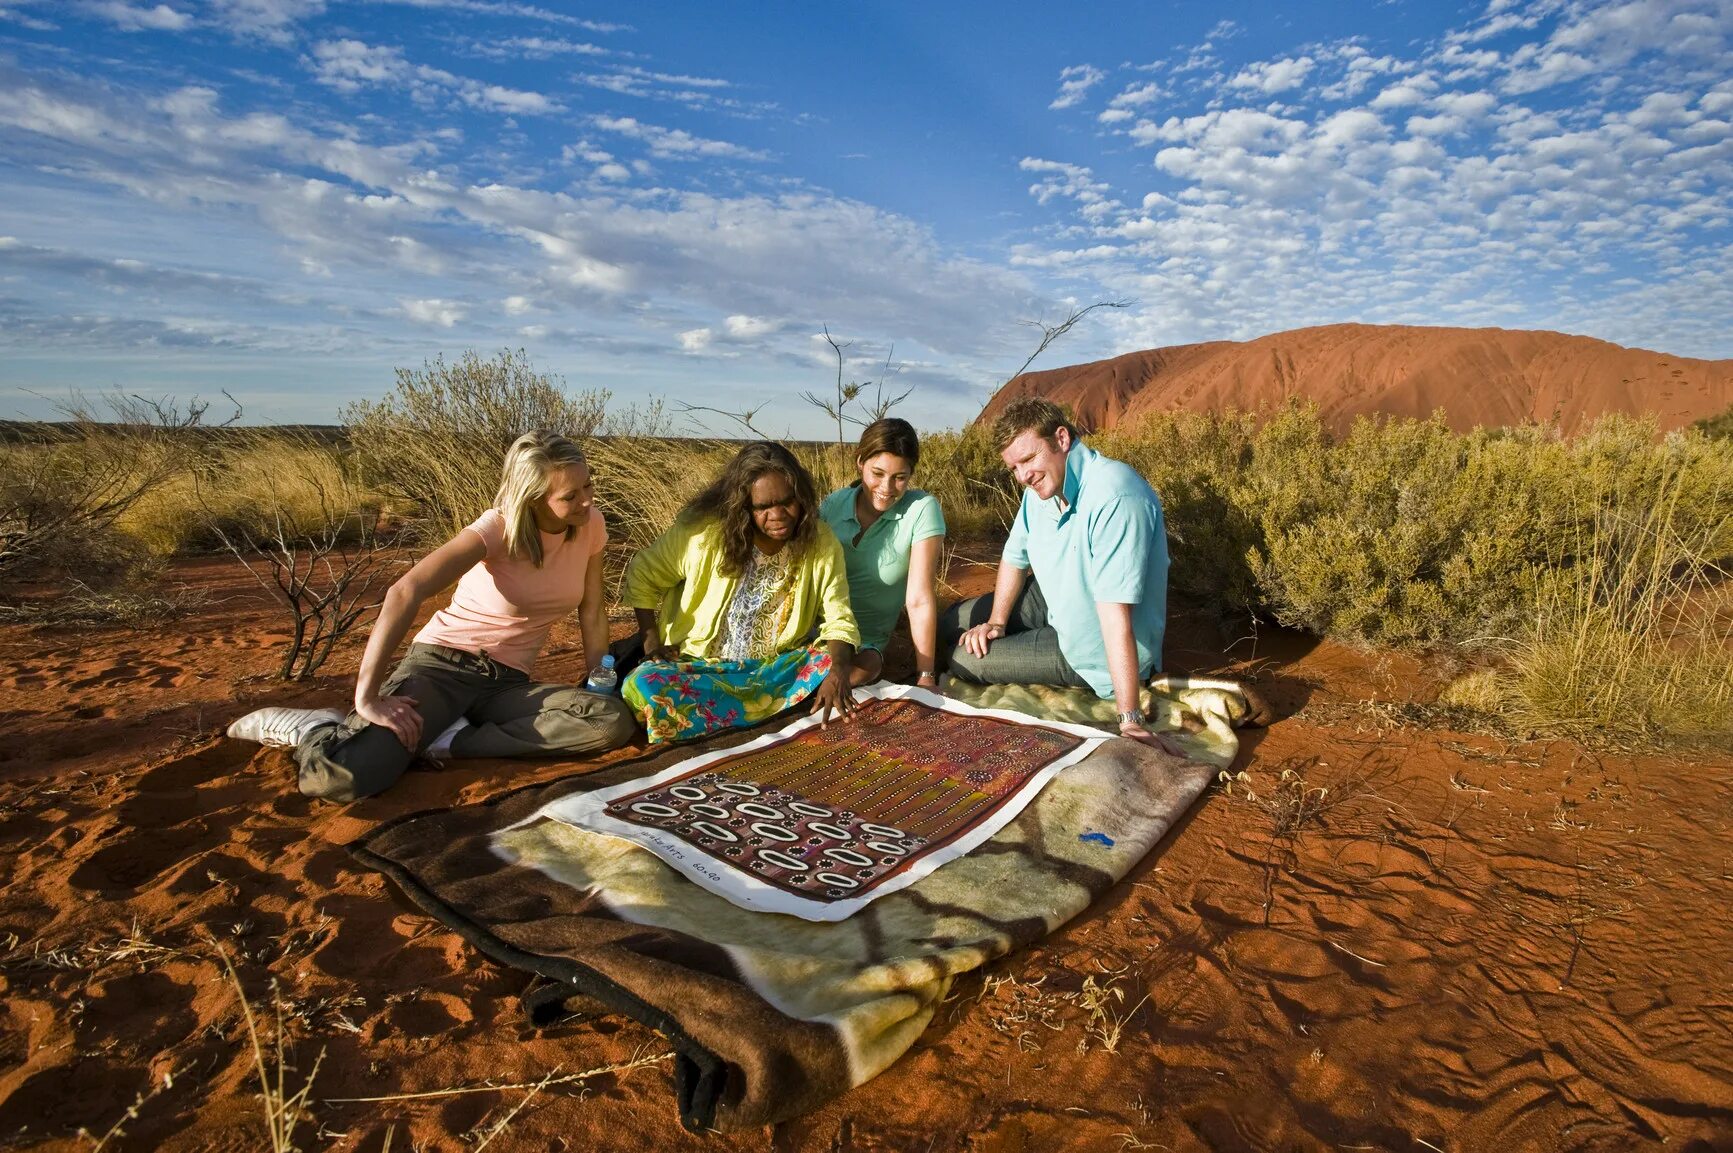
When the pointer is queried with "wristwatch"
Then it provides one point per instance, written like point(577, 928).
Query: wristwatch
point(1131, 717)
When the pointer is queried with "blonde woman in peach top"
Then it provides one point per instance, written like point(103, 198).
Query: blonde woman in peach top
point(465, 688)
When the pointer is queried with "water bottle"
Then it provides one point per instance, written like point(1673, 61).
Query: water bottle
point(603, 679)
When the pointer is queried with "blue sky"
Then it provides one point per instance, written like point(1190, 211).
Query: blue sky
point(288, 198)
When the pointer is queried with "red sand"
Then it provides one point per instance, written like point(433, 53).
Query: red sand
point(1478, 376)
point(1479, 945)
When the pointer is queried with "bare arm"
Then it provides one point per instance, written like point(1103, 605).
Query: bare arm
point(433, 573)
point(651, 633)
point(923, 604)
point(1005, 592)
point(1121, 646)
point(593, 613)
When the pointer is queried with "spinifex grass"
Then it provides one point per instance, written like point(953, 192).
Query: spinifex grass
point(1637, 634)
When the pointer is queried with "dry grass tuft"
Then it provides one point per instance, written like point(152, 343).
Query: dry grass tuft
point(80, 606)
point(284, 1110)
point(1637, 636)
point(1293, 804)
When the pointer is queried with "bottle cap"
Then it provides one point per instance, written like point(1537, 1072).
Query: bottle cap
point(608, 661)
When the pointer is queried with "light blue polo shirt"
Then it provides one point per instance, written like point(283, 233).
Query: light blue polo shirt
point(1108, 544)
point(878, 566)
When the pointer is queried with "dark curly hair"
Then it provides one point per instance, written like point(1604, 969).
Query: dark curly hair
point(728, 499)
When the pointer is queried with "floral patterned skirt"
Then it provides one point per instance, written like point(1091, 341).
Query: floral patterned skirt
point(694, 698)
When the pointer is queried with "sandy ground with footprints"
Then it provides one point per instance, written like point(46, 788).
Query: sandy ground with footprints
point(1387, 934)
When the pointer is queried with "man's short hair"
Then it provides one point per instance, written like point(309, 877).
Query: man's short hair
point(1031, 414)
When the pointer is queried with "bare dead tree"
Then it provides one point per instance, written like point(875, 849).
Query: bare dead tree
point(845, 393)
point(1051, 333)
point(314, 546)
point(743, 418)
point(854, 392)
point(881, 405)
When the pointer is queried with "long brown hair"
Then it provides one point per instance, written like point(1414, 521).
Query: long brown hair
point(728, 499)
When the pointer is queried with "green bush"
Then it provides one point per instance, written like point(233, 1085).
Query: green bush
point(1403, 532)
point(965, 472)
point(1719, 426)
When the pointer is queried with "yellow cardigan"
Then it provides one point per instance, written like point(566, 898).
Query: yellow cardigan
point(679, 575)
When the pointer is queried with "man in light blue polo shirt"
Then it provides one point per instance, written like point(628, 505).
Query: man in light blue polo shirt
point(1091, 530)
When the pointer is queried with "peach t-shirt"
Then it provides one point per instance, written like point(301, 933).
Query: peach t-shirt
point(503, 606)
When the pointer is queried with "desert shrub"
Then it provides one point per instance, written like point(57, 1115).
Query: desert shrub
point(1199, 464)
point(1632, 630)
point(435, 444)
point(285, 470)
point(965, 472)
point(1402, 532)
point(1719, 426)
point(63, 493)
point(642, 482)
point(296, 514)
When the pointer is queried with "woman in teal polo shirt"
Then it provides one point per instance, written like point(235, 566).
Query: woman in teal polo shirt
point(892, 536)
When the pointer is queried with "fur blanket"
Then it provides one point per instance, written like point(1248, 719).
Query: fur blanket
point(770, 1015)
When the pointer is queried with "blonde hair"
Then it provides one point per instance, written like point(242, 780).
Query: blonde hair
point(523, 481)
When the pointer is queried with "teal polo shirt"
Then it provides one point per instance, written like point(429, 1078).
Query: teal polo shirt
point(1108, 544)
point(878, 562)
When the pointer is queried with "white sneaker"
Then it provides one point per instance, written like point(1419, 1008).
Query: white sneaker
point(440, 749)
point(281, 728)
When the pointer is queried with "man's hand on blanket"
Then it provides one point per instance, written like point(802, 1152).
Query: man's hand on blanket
point(1161, 741)
point(397, 714)
point(833, 693)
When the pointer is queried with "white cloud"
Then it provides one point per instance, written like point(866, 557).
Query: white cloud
point(1137, 95)
point(383, 217)
point(539, 48)
point(1075, 83)
point(1273, 76)
point(273, 20)
point(12, 11)
point(1446, 194)
point(740, 327)
point(439, 313)
point(1407, 93)
point(136, 17)
point(350, 65)
point(696, 339)
point(1068, 181)
point(674, 143)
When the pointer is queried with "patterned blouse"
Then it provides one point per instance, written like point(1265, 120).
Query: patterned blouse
point(755, 615)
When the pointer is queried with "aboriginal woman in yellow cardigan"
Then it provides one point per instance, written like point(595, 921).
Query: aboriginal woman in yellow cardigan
point(742, 605)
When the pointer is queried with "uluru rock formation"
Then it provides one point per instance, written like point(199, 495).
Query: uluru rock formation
point(1478, 376)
